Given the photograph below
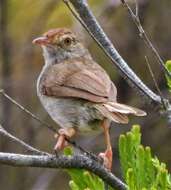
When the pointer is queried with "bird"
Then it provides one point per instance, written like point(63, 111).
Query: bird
point(77, 92)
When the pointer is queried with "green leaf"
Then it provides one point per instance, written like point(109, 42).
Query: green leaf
point(68, 151)
point(140, 170)
point(168, 66)
point(73, 185)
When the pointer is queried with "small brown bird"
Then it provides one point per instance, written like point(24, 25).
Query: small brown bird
point(77, 92)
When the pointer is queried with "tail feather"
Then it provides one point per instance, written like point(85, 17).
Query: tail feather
point(122, 108)
point(113, 116)
point(118, 112)
point(121, 117)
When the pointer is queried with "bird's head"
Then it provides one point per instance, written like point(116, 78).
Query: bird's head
point(60, 44)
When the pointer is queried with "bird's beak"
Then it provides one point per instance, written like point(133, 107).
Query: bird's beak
point(41, 41)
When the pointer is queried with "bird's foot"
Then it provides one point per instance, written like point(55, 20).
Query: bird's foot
point(61, 138)
point(107, 159)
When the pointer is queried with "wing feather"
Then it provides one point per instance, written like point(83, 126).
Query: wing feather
point(79, 80)
point(88, 81)
point(62, 91)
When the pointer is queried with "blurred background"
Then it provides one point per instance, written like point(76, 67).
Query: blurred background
point(21, 62)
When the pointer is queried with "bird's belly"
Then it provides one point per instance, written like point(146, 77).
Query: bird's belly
point(73, 113)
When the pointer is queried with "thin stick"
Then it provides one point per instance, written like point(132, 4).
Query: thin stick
point(136, 9)
point(91, 155)
point(145, 38)
point(27, 111)
point(77, 17)
point(155, 82)
point(22, 143)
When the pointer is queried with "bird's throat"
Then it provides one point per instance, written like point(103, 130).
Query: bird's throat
point(55, 56)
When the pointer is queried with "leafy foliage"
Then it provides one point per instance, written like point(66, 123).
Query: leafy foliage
point(168, 66)
point(140, 170)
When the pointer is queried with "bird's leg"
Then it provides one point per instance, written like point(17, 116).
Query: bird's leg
point(107, 155)
point(62, 134)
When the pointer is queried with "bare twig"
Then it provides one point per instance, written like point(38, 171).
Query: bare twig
point(91, 155)
point(84, 15)
point(155, 82)
point(145, 38)
point(27, 111)
point(77, 161)
point(136, 8)
point(22, 143)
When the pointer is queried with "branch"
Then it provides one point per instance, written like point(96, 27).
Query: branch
point(22, 143)
point(144, 36)
point(77, 161)
point(84, 15)
point(155, 82)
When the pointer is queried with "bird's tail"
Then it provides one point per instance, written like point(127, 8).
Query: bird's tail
point(118, 112)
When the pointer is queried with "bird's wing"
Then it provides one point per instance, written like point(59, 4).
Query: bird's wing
point(79, 80)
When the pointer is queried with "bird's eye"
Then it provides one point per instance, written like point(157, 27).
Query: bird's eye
point(67, 41)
